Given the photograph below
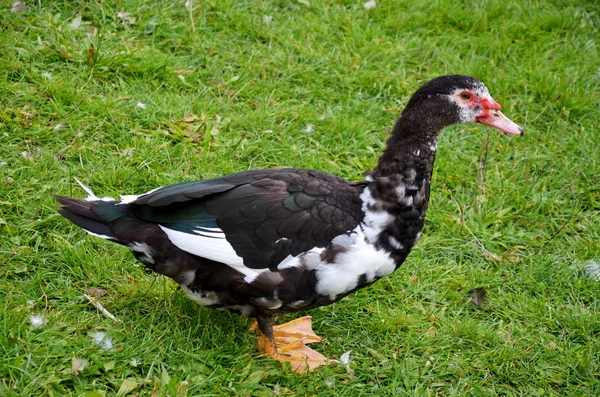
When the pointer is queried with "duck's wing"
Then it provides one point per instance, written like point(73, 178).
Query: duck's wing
point(256, 219)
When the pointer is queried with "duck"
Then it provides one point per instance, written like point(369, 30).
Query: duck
point(264, 243)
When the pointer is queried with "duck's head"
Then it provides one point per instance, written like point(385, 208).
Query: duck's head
point(455, 99)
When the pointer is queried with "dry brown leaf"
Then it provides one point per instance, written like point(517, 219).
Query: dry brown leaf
point(493, 257)
point(477, 296)
point(190, 118)
point(187, 126)
point(96, 292)
point(512, 257)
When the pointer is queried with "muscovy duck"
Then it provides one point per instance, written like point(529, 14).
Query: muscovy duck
point(267, 242)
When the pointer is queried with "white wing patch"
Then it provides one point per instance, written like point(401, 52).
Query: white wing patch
point(211, 245)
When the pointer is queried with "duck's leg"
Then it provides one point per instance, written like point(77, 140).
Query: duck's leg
point(287, 343)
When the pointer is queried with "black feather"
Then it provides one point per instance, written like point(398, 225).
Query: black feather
point(82, 213)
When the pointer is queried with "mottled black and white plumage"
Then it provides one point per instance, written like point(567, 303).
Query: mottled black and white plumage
point(262, 243)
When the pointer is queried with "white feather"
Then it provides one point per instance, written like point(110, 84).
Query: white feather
point(395, 243)
point(216, 249)
point(202, 297)
point(211, 232)
point(143, 249)
point(90, 192)
point(104, 236)
point(289, 261)
point(128, 198)
point(592, 270)
point(345, 358)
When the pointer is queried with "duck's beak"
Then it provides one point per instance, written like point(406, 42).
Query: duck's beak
point(494, 118)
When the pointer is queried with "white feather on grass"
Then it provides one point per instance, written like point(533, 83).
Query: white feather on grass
point(345, 358)
point(102, 339)
point(37, 321)
point(592, 270)
point(369, 5)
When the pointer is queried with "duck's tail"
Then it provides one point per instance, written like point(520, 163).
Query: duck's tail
point(90, 215)
point(95, 215)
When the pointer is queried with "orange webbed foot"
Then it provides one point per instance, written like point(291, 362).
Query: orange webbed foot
point(289, 345)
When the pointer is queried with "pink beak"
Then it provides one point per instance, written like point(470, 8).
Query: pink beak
point(494, 118)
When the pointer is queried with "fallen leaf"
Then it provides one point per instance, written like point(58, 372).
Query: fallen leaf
point(182, 389)
point(76, 22)
point(187, 126)
point(493, 257)
point(91, 56)
point(512, 257)
point(190, 118)
point(414, 278)
point(378, 356)
point(96, 292)
point(477, 296)
point(127, 386)
point(94, 393)
point(183, 72)
point(109, 366)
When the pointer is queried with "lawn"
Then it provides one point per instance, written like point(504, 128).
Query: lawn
point(133, 94)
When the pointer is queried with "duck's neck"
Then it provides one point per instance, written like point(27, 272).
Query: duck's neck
point(396, 197)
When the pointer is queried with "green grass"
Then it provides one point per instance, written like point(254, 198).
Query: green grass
point(519, 217)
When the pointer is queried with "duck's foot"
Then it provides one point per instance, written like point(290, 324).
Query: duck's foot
point(295, 330)
point(288, 344)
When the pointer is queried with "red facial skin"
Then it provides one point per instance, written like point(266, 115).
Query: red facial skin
point(491, 115)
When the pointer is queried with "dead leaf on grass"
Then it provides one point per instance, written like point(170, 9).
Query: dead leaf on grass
point(188, 126)
point(96, 292)
point(477, 296)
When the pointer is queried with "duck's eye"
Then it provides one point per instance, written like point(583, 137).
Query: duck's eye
point(465, 95)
